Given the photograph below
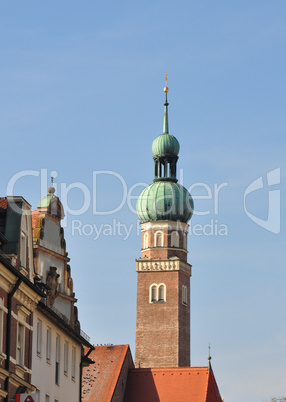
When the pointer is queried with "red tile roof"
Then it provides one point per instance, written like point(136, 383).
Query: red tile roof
point(99, 379)
point(35, 214)
point(183, 384)
point(3, 202)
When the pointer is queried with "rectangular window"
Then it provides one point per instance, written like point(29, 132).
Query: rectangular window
point(39, 337)
point(47, 398)
point(73, 363)
point(57, 379)
point(48, 344)
point(66, 358)
point(20, 344)
point(23, 249)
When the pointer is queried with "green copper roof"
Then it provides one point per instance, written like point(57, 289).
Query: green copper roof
point(165, 144)
point(45, 201)
point(164, 200)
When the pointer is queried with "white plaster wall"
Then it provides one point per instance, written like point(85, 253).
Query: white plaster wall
point(45, 262)
point(43, 373)
point(52, 237)
point(64, 306)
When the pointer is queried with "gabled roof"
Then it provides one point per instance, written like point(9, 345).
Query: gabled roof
point(182, 384)
point(99, 380)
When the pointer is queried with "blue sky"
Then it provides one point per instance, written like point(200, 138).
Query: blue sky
point(82, 92)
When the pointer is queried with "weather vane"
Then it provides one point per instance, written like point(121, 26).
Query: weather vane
point(166, 89)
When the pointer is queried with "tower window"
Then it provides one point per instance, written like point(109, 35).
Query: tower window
point(157, 293)
point(154, 293)
point(161, 293)
point(185, 241)
point(175, 239)
point(145, 240)
point(159, 239)
point(184, 295)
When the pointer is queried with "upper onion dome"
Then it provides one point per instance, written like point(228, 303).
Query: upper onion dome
point(165, 144)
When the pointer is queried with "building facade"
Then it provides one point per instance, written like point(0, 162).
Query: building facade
point(58, 342)
point(41, 342)
point(18, 297)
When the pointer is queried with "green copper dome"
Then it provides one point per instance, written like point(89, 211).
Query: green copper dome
point(165, 144)
point(45, 201)
point(165, 200)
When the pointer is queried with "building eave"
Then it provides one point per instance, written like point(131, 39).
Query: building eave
point(63, 325)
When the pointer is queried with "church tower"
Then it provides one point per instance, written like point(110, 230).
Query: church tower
point(163, 273)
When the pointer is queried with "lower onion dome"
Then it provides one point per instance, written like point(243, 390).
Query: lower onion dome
point(165, 201)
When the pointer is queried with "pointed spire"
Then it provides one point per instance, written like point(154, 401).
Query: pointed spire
point(166, 104)
point(209, 358)
point(51, 189)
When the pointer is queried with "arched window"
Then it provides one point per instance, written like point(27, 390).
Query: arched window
point(157, 293)
point(154, 293)
point(159, 239)
point(174, 239)
point(185, 241)
point(184, 294)
point(145, 240)
point(161, 293)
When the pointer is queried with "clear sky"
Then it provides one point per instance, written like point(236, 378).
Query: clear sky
point(82, 100)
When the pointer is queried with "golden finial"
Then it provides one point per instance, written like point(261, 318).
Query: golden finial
point(166, 89)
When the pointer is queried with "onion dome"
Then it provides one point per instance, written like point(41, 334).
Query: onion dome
point(165, 200)
point(45, 201)
point(165, 144)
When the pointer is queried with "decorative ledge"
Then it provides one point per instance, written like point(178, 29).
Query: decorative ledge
point(163, 265)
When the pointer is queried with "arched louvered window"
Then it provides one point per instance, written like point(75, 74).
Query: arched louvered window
point(161, 293)
point(159, 239)
point(185, 241)
point(154, 293)
point(174, 239)
point(157, 293)
point(145, 240)
point(184, 294)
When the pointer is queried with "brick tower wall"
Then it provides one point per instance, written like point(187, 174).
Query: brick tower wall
point(162, 328)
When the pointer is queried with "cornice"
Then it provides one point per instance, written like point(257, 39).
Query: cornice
point(51, 253)
point(172, 264)
point(164, 225)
